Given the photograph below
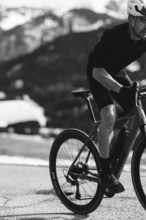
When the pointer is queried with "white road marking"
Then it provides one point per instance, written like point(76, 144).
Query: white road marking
point(18, 160)
point(28, 161)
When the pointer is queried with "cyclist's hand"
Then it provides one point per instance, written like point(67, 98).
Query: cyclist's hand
point(127, 97)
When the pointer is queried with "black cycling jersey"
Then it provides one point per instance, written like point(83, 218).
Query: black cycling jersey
point(116, 50)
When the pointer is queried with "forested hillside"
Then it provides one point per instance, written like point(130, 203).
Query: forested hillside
point(52, 70)
point(50, 73)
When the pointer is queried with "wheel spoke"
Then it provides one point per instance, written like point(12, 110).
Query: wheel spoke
point(86, 188)
point(75, 171)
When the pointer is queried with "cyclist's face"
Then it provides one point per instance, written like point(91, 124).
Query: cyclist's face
point(140, 26)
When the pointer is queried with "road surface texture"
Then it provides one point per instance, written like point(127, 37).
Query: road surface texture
point(27, 193)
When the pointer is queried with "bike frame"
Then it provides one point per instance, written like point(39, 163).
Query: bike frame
point(136, 123)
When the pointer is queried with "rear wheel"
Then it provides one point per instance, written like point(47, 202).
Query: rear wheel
point(76, 186)
point(138, 170)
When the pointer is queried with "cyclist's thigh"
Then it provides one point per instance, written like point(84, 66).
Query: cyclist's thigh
point(102, 96)
point(108, 115)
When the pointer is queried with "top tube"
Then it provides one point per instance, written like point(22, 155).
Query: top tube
point(139, 94)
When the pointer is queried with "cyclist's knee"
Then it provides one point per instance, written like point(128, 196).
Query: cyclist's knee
point(108, 116)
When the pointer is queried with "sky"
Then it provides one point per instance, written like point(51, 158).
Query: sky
point(57, 4)
point(53, 3)
point(59, 7)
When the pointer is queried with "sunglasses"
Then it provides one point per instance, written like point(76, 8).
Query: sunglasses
point(142, 11)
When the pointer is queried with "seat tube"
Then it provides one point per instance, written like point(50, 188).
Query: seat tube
point(87, 99)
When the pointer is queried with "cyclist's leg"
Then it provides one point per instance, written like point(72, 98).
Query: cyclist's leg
point(108, 180)
point(105, 133)
point(105, 103)
point(104, 100)
point(108, 116)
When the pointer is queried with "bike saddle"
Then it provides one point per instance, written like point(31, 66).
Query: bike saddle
point(81, 93)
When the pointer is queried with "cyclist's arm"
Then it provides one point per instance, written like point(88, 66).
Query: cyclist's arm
point(103, 77)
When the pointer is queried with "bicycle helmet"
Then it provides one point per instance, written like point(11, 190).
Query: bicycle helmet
point(136, 7)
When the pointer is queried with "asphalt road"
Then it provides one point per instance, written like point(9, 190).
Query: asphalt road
point(27, 193)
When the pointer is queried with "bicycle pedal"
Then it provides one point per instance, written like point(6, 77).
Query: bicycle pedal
point(108, 193)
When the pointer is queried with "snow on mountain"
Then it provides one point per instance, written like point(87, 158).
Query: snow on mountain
point(19, 12)
point(26, 26)
point(18, 16)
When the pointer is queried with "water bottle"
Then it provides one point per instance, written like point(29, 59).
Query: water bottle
point(117, 148)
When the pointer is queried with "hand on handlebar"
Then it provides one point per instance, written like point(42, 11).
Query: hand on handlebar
point(127, 96)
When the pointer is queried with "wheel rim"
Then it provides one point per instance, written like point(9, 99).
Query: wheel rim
point(139, 172)
point(142, 174)
point(78, 191)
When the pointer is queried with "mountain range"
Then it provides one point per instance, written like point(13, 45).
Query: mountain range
point(36, 26)
point(46, 57)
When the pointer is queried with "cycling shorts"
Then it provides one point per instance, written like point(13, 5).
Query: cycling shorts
point(102, 95)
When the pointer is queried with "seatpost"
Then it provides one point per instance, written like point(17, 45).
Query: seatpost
point(87, 99)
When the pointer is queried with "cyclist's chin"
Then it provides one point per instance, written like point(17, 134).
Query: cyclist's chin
point(143, 34)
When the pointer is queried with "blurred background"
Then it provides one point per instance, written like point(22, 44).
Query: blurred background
point(44, 47)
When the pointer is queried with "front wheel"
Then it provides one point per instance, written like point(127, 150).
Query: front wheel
point(77, 185)
point(138, 170)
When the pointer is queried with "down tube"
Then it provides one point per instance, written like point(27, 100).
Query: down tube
point(135, 122)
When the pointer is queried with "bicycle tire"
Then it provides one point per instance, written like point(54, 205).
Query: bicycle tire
point(138, 167)
point(78, 206)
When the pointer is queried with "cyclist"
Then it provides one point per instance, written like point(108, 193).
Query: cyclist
point(119, 46)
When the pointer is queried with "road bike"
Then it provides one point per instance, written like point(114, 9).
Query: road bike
point(74, 161)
